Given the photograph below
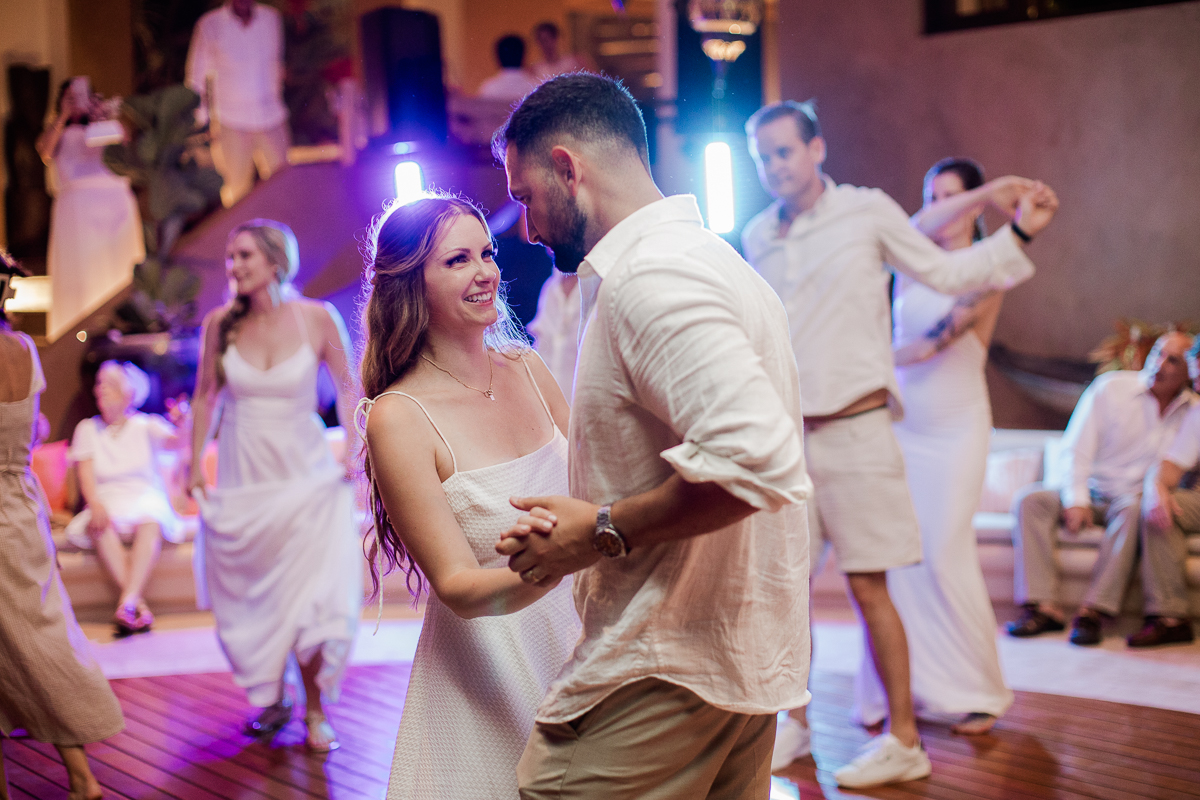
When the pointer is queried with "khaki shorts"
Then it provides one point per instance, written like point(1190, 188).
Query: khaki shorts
point(650, 740)
point(860, 504)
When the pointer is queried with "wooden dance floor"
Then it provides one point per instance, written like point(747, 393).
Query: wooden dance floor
point(182, 741)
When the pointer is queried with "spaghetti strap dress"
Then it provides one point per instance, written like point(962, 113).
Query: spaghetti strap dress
point(280, 562)
point(50, 685)
point(476, 683)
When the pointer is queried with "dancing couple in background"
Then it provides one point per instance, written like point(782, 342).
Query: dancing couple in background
point(829, 252)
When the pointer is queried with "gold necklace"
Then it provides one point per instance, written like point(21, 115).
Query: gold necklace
point(485, 392)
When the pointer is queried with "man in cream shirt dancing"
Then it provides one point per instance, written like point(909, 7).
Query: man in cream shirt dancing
point(823, 248)
point(687, 533)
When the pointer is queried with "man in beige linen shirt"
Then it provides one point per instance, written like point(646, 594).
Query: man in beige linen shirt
point(687, 531)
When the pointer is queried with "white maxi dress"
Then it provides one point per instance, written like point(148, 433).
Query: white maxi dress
point(281, 555)
point(476, 683)
point(95, 233)
point(943, 601)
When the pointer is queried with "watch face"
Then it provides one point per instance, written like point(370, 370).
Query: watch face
point(609, 543)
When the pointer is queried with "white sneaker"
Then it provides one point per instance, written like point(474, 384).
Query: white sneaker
point(792, 740)
point(884, 760)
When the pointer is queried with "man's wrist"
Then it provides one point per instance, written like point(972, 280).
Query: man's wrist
point(606, 539)
point(1020, 233)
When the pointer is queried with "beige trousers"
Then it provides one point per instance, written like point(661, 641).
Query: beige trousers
point(237, 153)
point(650, 740)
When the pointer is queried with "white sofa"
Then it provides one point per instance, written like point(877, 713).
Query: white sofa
point(1021, 457)
point(1018, 458)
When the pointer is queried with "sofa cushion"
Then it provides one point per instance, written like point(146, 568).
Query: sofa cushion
point(1007, 472)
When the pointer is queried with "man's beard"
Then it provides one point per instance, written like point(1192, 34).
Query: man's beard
point(565, 239)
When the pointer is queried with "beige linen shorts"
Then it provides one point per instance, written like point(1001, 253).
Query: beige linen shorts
point(861, 504)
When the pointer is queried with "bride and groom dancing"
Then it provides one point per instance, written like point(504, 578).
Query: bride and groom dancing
point(672, 491)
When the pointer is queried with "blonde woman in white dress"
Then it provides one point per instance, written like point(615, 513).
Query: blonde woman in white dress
point(460, 416)
point(280, 547)
point(941, 344)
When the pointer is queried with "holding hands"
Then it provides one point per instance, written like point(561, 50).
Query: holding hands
point(1029, 203)
point(551, 540)
point(1035, 208)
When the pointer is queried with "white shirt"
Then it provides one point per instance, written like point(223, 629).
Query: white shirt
point(555, 328)
point(245, 62)
point(685, 366)
point(1115, 435)
point(544, 70)
point(829, 269)
point(1185, 448)
point(510, 83)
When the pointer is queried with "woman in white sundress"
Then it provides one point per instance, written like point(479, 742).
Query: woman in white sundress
point(460, 415)
point(281, 553)
point(941, 344)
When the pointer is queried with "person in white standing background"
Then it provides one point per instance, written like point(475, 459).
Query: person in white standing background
point(823, 249)
point(96, 235)
point(235, 64)
point(940, 349)
point(555, 328)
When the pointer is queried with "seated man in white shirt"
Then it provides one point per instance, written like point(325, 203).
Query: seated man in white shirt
point(237, 51)
point(512, 82)
point(826, 251)
point(1170, 514)
point(1119, 430)
point(686, 529)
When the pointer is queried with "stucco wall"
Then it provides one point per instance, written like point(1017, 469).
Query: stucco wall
point(1104, 107)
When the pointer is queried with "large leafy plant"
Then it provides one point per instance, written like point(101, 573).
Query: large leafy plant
point(164, 162)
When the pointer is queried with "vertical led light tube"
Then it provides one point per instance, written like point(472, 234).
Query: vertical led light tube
point(410, 184)
point(718, 186)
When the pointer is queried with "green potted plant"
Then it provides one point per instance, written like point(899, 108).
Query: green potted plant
point(162, 159)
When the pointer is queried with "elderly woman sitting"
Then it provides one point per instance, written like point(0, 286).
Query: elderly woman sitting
point(116, 454)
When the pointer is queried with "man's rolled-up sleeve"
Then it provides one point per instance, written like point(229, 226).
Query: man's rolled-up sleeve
point(693, 366)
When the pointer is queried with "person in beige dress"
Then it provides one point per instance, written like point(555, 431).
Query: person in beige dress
point(50, 686)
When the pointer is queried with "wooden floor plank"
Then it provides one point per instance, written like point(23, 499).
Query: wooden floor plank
point(183, 741)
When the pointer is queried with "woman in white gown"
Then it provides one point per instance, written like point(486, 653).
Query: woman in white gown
point(280, 557)
point(95, 227)
point(940, 351)
point(460, 416)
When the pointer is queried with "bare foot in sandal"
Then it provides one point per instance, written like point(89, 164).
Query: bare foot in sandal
point(321, 736)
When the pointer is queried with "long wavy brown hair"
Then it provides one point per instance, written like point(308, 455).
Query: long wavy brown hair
point(395, 323)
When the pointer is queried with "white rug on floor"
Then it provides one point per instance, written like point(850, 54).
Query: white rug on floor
point(1161, 678)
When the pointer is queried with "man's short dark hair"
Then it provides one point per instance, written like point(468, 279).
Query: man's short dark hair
point(584, 106)
point(510, 51)
point(805, 115)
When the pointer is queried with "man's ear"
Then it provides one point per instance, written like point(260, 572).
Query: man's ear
point(567, 167)
point(816, 147)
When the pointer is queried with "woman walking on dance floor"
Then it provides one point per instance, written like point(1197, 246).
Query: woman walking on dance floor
point(940, 351)
point(460, 416)
point(49, 683)
point(281, 550)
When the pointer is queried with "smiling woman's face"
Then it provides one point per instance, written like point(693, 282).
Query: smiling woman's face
point(461, 277)
point(247, 266)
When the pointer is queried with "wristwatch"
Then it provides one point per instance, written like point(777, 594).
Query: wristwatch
point(607, 540)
